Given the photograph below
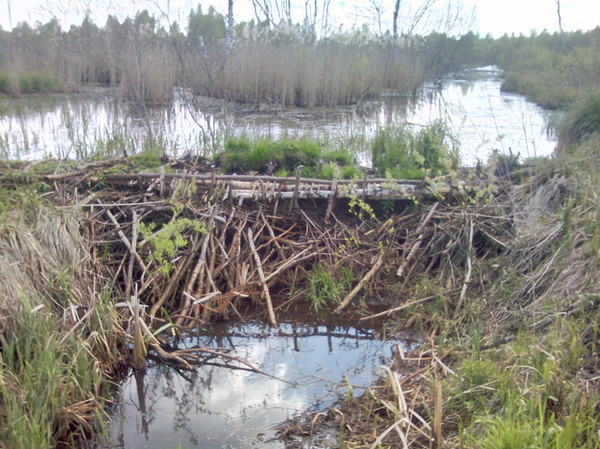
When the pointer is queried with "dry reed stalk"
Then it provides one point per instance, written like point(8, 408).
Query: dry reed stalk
point(436, 437)
point(399, 410)
point(34, 255)
point(468, 252)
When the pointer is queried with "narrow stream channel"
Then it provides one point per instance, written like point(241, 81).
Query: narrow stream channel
point(221, 404)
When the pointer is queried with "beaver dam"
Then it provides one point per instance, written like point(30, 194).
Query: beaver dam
point(139, 266)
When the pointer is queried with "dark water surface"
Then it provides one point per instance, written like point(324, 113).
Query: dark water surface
point(220, 406)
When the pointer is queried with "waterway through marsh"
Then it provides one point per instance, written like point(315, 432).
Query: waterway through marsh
point(94, 123)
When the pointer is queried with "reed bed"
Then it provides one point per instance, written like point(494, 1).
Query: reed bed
point(146, 62)
point(306, 75)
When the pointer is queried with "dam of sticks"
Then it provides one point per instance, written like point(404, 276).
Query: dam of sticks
point(185, 245)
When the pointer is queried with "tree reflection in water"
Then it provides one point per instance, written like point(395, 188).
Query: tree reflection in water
point(220, 403)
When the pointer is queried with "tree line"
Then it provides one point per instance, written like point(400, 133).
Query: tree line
point(260, 61)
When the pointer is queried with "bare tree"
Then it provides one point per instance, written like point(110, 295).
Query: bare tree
point(559, 16)
point(376, 10)
point(9, 14)
point(560, 27)
point(262, 11)
point(420, 15)
point(412, 18)
point(395, 21)
point(276, 11)
point(230, 25)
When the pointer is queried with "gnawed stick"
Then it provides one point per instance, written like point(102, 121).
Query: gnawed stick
point(123, 237)
point(133, 251)
point(199, 265)
point(468, 275)
point(297, 258)
point(263, 281)
point(405, 305)
point(360, 285)
point(417, 244)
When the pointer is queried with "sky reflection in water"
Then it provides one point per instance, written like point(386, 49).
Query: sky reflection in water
point(215, 406)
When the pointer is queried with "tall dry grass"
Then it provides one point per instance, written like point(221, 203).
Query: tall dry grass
point(35, 256)
point(307, 75)
point(59, 332)
point(146, 62)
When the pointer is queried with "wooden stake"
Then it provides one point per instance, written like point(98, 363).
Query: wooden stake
point(331, 202)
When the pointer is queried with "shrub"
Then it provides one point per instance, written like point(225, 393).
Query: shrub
point(351, 172)
point(581, 123)
point(298, 152)
point(330, 170)
point(6, 83)
point(340, 156)
point(38, 82)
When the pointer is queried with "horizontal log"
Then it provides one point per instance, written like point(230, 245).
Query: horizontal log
point(272, 187)
point(254, 178)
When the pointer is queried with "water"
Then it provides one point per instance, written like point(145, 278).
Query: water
point(482, 118)
point(216, 406)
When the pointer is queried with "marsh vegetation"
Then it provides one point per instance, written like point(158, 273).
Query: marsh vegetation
point(501, 277)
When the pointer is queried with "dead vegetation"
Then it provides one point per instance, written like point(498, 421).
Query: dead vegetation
point(182, 253)
point(193, 251)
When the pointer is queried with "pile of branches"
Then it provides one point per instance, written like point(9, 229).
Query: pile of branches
point(191, 260)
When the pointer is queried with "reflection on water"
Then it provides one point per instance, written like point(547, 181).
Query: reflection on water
point(481, 116)
point(485, 119)
point(222, 404)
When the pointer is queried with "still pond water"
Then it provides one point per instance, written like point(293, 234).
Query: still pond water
point(481, 117)
point(220, 406)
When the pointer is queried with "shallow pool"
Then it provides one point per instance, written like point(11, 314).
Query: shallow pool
point(222, 404)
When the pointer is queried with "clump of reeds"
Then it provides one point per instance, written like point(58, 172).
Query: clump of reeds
point(7, 83)
point(58, 333)
point(35, 257)
point(580, 123)
point(28, 83)
point(147, 75)
point(325, 73)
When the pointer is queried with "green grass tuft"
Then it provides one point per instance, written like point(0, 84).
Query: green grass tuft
point(400, 152)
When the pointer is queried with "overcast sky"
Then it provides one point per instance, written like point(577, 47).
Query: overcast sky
point(484, 16)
